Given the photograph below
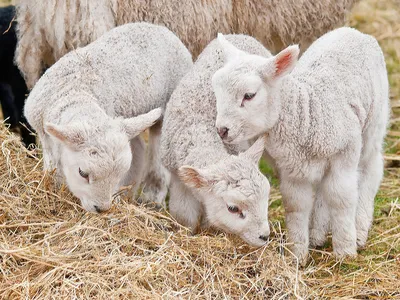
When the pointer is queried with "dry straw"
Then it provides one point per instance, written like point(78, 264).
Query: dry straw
point(51, 248)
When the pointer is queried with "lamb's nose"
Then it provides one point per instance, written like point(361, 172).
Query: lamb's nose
point(265, 238)
point(223, 132)
point(98, 209)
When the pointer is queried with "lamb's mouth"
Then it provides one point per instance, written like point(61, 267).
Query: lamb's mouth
point(232, 140)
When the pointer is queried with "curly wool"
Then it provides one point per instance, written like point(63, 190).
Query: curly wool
point(48, 31)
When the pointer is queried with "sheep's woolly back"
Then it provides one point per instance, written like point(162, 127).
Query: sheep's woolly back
point(278, 23)
point(195, 22)
point(47, 30)
point(50, 29)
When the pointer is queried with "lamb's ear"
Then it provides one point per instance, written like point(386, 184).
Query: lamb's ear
point(195, 178)
point(230, 51)
point(134, 126)
point(256, 150)
point(282, 63)
point(71, 135)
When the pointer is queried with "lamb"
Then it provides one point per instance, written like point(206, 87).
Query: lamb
point(12, 85)
point(325, 118)
point(89, 108)
point(48, 30)
point(212, 185)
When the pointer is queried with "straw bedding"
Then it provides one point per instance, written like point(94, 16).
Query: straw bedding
point(51, 248)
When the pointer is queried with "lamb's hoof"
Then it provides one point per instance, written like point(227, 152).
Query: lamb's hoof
point(345, 252)
point(150, 204)
point(362, 237)
point(317, 238)
point(301, 253)
point(155, 188)
point(153, 195)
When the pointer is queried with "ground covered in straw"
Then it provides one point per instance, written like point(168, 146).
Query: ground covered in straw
point(51, 248)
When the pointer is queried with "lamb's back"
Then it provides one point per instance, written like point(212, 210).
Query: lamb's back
point(346, 62)
point(128, 71)
point(138, 66)
point(335, 92)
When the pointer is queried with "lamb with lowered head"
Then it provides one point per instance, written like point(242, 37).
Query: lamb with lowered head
point(325, 118)
point(210, 184)
point(89, 108)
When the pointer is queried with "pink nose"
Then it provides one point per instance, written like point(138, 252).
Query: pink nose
point(223, 132)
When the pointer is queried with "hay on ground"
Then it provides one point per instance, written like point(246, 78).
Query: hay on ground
point(51, 248)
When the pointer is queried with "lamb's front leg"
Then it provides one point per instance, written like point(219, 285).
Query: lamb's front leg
point(340, 191)
point(135, 174)
point(156, 182)
point(298, 201)
point(50, 159)
point(183, 205)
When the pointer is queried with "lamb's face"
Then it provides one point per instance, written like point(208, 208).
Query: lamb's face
point(242, 104)
point(246, 91)
point(93, 172)
point(238, 201)
point(234, 194)
point(95, 159)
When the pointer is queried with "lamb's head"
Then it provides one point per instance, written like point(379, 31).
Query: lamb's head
point(95, 159)
point(247, 91)
point(234, 194)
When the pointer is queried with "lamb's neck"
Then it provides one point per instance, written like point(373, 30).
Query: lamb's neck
point(295, 103)
point(206, 147)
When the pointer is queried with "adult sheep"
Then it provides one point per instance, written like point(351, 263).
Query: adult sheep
point(48, 30)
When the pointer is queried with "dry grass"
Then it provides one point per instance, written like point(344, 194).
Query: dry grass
point(51, 248)
point(6, 2)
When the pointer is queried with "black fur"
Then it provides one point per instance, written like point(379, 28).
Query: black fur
point(13, 89)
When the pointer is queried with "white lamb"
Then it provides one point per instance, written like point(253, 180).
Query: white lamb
point(210, 185)
point(325, 119)
point(89, 108)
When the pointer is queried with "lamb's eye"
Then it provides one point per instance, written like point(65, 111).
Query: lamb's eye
point(249, 96)
point(236, 210)
point(233, 209)
point(83, 174)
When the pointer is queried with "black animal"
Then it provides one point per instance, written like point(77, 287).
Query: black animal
point(13, 89)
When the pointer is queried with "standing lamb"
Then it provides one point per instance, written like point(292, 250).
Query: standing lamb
point(50, 29)
point(325, 120)
point(210, 184)
point(89, 108)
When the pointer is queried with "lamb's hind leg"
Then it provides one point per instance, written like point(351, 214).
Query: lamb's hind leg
point(156, 182)
point(371, 173)
point(319, 223)
point(340, 191)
